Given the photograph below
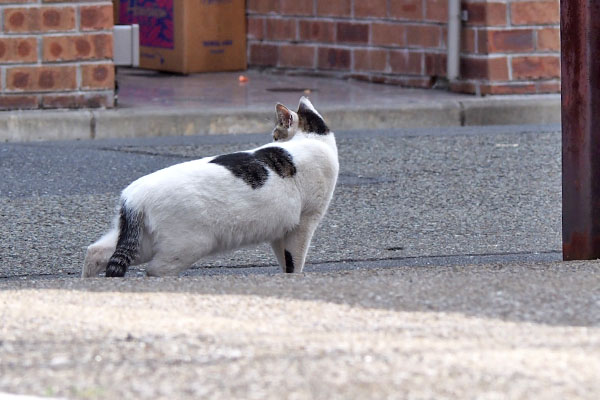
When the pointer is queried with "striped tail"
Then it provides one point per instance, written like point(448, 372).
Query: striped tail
point(128, 244)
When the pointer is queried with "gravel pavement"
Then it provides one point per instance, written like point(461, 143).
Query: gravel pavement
point(486, 332)
point(433, 276)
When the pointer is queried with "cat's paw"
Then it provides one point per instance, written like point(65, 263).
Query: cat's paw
point(115, 271)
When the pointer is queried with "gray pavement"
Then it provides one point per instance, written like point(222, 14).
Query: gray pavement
point(158, 104)
point(401, 194)
point(435, 275)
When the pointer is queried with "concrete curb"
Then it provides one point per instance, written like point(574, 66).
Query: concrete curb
point(512, 110)
point(26, 126)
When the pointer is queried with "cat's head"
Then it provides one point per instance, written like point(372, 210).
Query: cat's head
point(306, 120)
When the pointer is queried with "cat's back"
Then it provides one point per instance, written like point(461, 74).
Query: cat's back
point(175, 178)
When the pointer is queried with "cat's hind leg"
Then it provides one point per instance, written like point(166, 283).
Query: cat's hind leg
point(167, 266)
point(295, 244)
point(98, 254)
point(174, 256)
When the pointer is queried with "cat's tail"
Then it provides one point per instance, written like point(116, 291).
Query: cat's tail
point(128, 243)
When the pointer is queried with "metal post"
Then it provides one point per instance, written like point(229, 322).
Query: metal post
point(454, 25)
point(580, 54)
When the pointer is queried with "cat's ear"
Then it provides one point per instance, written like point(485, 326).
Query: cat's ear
point(305, 106)
point(309, 119)
point(284, 116)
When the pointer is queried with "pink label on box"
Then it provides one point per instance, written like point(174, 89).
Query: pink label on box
point(155, 18)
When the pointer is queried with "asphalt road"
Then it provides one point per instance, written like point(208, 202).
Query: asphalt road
point(459, 195)
point(435, 275)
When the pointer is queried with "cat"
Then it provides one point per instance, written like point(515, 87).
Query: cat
point(276, 193)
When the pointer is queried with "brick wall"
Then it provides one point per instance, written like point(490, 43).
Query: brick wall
point(378, 40)
point(56, 54)
point(507, 46)
point(510, 47)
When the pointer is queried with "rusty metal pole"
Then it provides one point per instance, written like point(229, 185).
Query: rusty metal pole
point(580, 56)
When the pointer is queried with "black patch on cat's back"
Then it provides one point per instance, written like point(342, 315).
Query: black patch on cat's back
point(252, 167)
point(310, 122)
point(289, 263)
point(244, 166)
point(278, 160)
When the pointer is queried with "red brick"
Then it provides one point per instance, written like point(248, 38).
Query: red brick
point(17, 1)
point(536, 67)
point(370, 60)
point(317, 31)
point(337, 8)
point(352, 33)
point(548, 87)
point(18, 102)
point(255, 27)
point(388, 34)
point(281, 29)
point(467, 40)
point(297, 56)
point(367, 77)
point(22, 20)
point(509, 88)
point(62, 101)
point(489, 14)
point(296, 7)
point(437, 10)
point(464, 87)
point(505, 41)
point(18, 50)
point(263, 6)
point(98, 76)
point(420, 82)
point(58, 19)
point(435, 64)
point(39, 19)
point(423, 35)
point(80, 47)
point(406, 9)
point(41, 78)
point(332, 58)
point(264, 55)
point(548, 39)
point(370, 8)
point(406, 62)
point(96, 17)
point(93, 100)
point(495, 69)
point(535, 12)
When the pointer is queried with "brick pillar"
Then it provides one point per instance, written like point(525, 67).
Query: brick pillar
point(56, 54)
point(510, 47)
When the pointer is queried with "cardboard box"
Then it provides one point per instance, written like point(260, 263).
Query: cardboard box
point(189, 36)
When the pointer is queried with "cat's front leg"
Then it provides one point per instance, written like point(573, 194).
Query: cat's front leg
point(278, 247)
point(292, 249)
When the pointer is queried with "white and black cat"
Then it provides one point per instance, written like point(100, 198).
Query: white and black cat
point(277, 193)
